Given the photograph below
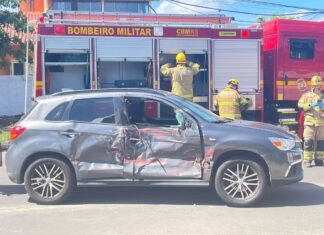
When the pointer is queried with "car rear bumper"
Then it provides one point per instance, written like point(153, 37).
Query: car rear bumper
point(13, 166)
point(14, 178)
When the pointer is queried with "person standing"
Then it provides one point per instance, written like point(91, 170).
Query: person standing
point(312, 103)
point(182, 76)
point(229, 102)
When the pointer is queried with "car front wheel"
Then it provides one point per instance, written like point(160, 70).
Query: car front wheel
point(240, 182)
point(49, 181)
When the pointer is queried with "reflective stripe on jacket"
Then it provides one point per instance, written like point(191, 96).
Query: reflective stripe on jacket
point(182, 77)
point(314, 116)
point(230, 103)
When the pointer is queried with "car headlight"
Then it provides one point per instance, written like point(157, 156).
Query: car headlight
point(283, 144)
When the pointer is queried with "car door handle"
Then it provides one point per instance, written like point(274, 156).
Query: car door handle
point(70, 133)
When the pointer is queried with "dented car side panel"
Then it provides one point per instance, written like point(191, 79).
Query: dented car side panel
point(162, 152)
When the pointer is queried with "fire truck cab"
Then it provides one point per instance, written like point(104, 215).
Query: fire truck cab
point(293, 52)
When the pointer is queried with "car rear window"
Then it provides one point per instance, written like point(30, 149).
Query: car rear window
point(57, 113)
point(96, 110)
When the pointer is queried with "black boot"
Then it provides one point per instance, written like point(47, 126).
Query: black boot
point(318, 162)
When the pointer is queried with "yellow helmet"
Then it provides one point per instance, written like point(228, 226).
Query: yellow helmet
point(233, 81)
point(316, 81)
point(181, 58)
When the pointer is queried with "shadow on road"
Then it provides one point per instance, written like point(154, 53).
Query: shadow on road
point(301, 194)
point(9, 190)
point(145, 195)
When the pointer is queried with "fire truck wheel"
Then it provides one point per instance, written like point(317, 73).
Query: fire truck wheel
point(240, 182)
point(49, 181)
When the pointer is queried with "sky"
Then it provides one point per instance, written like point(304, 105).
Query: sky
point(260, 9)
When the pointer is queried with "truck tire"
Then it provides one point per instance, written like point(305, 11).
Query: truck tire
point(240, 182)
point(49, 181)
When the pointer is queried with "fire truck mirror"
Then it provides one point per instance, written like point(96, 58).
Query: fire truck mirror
point(286, 80)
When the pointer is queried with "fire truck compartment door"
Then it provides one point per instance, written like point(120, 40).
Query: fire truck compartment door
point(238, 59)
point(121, 49)
point(190, 46)
point(66, 44)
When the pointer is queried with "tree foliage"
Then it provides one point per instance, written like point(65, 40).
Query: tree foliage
point(11, 19)
point(274, 16)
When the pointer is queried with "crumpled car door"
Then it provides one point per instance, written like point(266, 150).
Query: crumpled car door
point(163, 152)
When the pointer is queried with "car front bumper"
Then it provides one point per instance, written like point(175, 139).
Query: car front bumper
point(294, 170)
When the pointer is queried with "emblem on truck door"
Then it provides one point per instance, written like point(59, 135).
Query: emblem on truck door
point(301, 84)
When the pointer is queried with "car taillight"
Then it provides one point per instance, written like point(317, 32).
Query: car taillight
point(16, 131)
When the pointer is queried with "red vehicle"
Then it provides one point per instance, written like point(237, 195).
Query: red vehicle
point(78, 52)
point(293, 52)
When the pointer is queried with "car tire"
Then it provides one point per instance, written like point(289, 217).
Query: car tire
point(49, 181)
point(240, 182)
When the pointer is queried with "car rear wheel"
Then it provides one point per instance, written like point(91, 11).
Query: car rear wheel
point(240, 182)
point(49, 181)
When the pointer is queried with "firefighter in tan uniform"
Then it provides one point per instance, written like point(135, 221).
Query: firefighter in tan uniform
point(229, 102)
point(182, 76)
point(312, 102)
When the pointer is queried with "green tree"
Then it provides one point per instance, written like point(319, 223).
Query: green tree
point(274, 16)
point(11, 18)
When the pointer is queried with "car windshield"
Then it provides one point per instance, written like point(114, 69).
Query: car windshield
point(198, 110)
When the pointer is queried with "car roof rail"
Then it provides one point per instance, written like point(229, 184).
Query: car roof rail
point(107, 90)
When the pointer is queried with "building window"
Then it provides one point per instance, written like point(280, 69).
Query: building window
point(301, 48)
point(17, 68)
point(62, 5)
point(86, 5)
point(130, 7)
point(96, 6)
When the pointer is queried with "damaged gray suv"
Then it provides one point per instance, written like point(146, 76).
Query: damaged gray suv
point(143, 137)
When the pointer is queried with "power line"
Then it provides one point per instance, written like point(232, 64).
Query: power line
point(150, 6)
point(199, 12)
point(243, 12)
point(312, 16)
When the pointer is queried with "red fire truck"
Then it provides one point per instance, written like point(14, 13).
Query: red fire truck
point(104, 51)
point(293, 52)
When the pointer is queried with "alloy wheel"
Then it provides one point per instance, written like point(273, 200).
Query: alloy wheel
point(240, 181)
point(48, 180)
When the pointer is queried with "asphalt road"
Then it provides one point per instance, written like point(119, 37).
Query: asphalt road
point(293, 209)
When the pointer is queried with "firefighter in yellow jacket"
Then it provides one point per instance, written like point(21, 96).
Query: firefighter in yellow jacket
point(312, 102)
point(229, 102)
point(182, 76)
